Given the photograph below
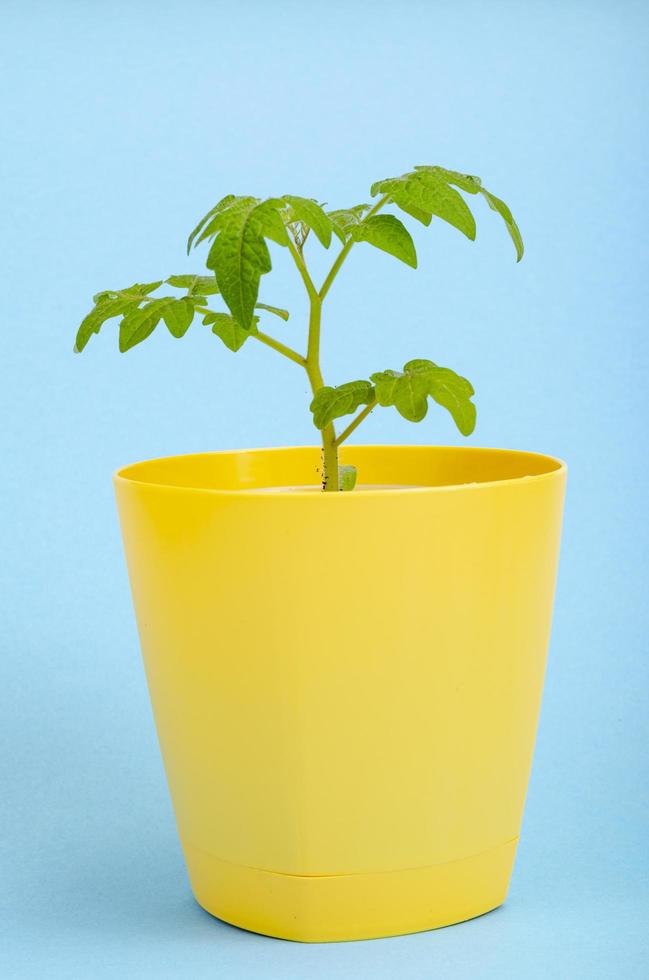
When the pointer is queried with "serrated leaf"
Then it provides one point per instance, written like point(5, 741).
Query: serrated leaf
point(229, 331)
point(178, 316)
point(346, 219)
point(111, 303)
point(93, 322)
point(138, 289)
point(106, 294)
point(428, 192)
point(386, 232)
point(224, 203)
point(195, 285)
point(139, 323)
point(106, 309)
point(239, 255)
point(409, 390)
point(412, 193)
point(332, 403)
point(347, 476)
point(311, 214)
point(501, 208)
point(223, 215)
point(425, 217)
point(466, 182)
point(271, 223)
point(282, 314)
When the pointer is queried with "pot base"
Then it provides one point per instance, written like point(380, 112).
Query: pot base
point(334, 908)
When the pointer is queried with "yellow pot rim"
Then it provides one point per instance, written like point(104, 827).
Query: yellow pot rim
point(131, 473)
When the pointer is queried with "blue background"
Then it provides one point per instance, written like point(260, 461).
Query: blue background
point(123, 123)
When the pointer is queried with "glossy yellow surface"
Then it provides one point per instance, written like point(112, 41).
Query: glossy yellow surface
point(346, 686)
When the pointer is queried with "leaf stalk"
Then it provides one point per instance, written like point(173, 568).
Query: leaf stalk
point(269, 341)
point(281, 348)
point(345, 434)
point(346, 249)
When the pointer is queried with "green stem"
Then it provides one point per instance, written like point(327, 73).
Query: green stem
point(329, 447)
point(345, 434)
point(280, 348)
point(330, 481)
point(330, 444)
point(333, 272)
point(346, 249)
point(302, 269)
point(313, 344)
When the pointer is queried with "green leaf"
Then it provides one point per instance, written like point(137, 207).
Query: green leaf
point(230, 332)
point(282, 314)
point(311, 214)
point(139, 323)
point(497, 205)
point(222, 214)
point(386, 232)
point(428, 192)
point(425, 217)
point(109, 304)
point(409, 390)
point(138, 289)
point(224, 203)
point(93, 322)
point(332, 403)
point(271, 222)
point(195, 285)
point(466, 182)
point(178, 316)
point(239, 255)
point(346, 219)
point(347, 476)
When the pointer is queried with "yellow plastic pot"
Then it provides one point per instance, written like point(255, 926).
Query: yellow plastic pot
point(346, 686)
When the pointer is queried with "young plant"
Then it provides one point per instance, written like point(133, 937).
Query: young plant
point(238, 229)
